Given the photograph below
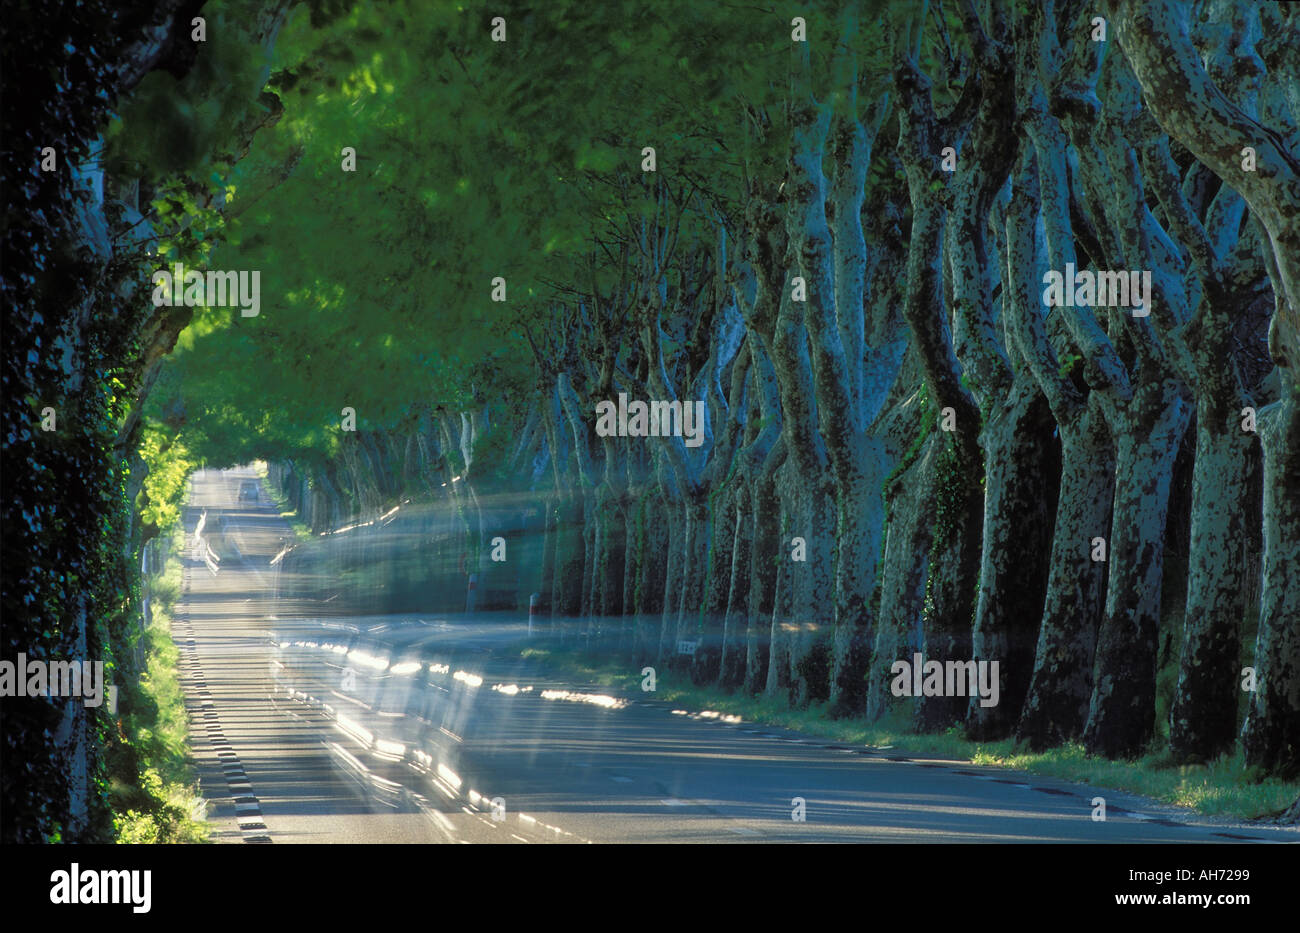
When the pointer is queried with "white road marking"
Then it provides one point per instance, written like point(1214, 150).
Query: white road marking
point(441, 820)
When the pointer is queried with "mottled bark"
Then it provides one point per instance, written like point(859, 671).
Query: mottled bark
point(825, 229)
point(859, 537)
point(1056, 706)
point(1016, 434)
point(807, 585)
point(735, 602)
point(953, 577)
point(1203, 720)
point(1060, 686)
point(958, 496)
point(1203, 716)
point(1272, 732)
point(903, 574)
point(806, 498)
point(1020, 466)
point(1193, 110)
point(1121, 715)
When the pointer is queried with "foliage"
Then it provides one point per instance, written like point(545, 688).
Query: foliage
point(169, 466)
point(153, 789)
point(63, 489)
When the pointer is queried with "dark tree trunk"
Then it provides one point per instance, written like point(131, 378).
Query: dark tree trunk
point(1056, 707)
point(953, 579)
point(905, 569)
point(1203, 721)
point(1019, 503)
point(1121, 716)
point(1272, 732)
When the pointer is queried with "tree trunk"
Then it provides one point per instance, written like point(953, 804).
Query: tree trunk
point(904, 571)
point(653, 546)
point(1203, 720)
point(763, 574)
point(860, 530)
point(805, 616)
point(588, 531)
point(953, 575)
point(570, 556)
point(1020, 474)
point(1056, 707)
point(550, 535)
point(736, 623)
point(1122, 712)
point(695, 550)
point(707, 663)
point(632, 557)
point(1272, 734)
point(673, 575)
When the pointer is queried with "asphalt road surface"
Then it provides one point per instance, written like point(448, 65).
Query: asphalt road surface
point(484, 746)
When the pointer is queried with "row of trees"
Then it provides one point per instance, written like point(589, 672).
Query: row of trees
point(834, 232)
point(474, 223)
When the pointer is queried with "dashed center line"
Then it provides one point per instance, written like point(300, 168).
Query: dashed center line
point(248, 809)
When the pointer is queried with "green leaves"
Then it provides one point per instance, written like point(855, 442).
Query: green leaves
point(474, 159)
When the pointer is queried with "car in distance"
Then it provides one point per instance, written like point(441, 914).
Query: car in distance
point(248, 491)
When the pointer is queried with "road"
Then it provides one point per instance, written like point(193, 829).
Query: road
point(484, 746)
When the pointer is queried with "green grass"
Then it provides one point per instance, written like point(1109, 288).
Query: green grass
point(574, 663)
point(153, 787)
point(1223, 788)
point(290, 515)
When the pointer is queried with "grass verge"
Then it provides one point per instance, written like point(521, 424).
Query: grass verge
point(1225, 788)
point(289, 514)
point(153, 789)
